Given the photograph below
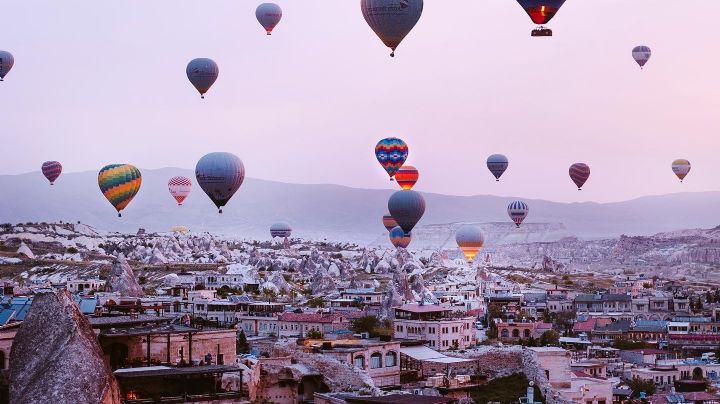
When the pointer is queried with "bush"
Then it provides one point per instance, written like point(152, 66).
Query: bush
point(641, 385)
point(313, 334)
point(72, 250)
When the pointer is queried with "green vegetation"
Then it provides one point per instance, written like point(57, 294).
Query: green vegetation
point(225, 291)
point(313, 334)
point(505, 390)
point(316, 302)
point(639, 385)
point(72, 250)
point(373, 326)
point(550, 337)
point(241, 344)
point(624, 343)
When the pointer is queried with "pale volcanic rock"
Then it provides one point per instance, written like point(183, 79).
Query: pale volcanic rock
point(122, 280)
point(56, 358)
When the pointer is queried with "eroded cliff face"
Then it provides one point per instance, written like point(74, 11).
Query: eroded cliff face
point(56, 358)
point(122, 279)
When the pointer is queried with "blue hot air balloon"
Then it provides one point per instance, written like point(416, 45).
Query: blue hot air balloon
point(220, 175)
point(398, 238)
point(497, 164)
point(407, 208)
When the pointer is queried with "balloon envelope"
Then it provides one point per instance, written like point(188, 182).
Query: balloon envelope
point(119, 183)
point(681, 168)
point(541, 11)
point(407, 176)
point(180, 229)
point(202, 73)
point(280, 229)
point(389, 222)
point(220, 175)
point(470, 240)
point(179, 188)
point(7, 61)
point(268, 15)
point(641, 54)
point(518, 211)
point(497, 164)
point(391, 20)
point(51, 170)
point(579, 173)
point(391, 153)
point(407, 208)
point(398, 238)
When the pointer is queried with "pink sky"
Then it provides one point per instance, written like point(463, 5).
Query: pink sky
point(99, 82)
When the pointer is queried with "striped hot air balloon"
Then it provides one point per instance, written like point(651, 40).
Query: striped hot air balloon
point(268, 15)
point(641, 54)
point(391, 153)
point(497, 164)
point(389, 222)
point(681, 168)
point(407, 176)
point(391, 20)
point(119, 183)
point(470, 240)
point(51, 170)
point(399, 238)
point(280, 229)
point(518, 211)
point(579, 173)
point(220, 175)
point(407, 208)
point(179, 188)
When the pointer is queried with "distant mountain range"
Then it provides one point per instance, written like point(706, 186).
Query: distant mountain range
point(334, 211)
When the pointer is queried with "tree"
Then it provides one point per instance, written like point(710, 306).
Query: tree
point(698, 306)
point(638, 385)
point(372, 326)
point(550, 337)
point(625, 344)
point(316, 302)
point(269, 294)
point(313, 334)
point(241, 344)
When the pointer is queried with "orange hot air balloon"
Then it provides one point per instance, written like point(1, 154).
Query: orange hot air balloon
point(407, 176)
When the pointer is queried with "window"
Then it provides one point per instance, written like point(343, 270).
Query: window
point(376, 360)
point(390, 359)
point(515, 333)
point(526, 333)
point(360, 362)
point(504, 333)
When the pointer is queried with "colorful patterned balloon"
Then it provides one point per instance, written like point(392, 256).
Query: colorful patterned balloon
point(470, 240)
point(119, 183)
point(641, 54)
point(391, 153)
point(389, 222)
point(51, 170)
point(407, 208)
point(391, 20)
point(518, 211)
point(179, 188)
point(681, 168)
point(497, 164)
point(398, 238)
point(579, 173)
point(407, 176)
point(220, 175)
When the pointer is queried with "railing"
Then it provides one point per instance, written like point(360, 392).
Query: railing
point(187, 398)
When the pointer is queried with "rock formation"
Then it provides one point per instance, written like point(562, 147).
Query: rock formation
point(122, 280)
point(56, 358)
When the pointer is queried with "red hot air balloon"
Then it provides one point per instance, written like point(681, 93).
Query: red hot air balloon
point(407, 176)
point(389, 222)
point(579, 173)
point(179, 188)
point(51, 170)
point(541, 12)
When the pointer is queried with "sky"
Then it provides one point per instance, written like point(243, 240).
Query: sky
point(99, 82)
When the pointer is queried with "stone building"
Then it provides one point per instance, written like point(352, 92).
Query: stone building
point(436, 325)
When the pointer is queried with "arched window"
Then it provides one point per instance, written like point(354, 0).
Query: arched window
point(515, 333)
point(504, 333)
point(360, 362)
point(526, 333)
point(390, 359)
point(376, 360)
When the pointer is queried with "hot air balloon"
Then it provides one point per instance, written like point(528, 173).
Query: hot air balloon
point(202, 73)
point(681, 168)
point(541, 12)
point(179, 188)
point(406, 207)
point(641, 54)
point(391, 20)
point(6, 63)
point(268, 15)
point(398, 238)
point(391, 153)
point(497, 164)
point(470, 240)
point(579, 173)
point(389, 222)
point(220, 175)
point(180, 229)
point(119, 183)
point(51, 170)
point(280, 229)
point(407, 176)
point(518, 211)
